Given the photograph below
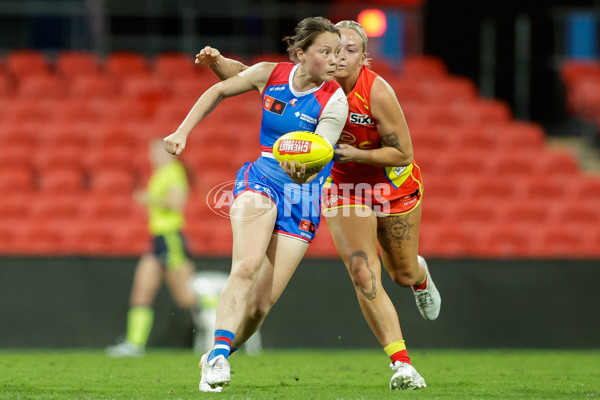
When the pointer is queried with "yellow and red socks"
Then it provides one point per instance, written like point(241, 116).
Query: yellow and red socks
point(422, 285)
point(139, 325)
point(396, 351)
point(223, 341)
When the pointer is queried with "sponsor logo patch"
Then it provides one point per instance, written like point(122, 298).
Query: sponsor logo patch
point(307, 226)
point(273, 105)
point(360, 119)
point(294, 147)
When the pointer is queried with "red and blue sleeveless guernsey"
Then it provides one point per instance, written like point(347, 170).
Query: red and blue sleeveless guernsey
point(287, 110)
point(388, 190)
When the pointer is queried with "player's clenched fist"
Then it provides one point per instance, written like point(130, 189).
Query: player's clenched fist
point(207, 56)
point(175, 143)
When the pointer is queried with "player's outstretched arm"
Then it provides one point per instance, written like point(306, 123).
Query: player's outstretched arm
point(254, 78)
point(223, 67)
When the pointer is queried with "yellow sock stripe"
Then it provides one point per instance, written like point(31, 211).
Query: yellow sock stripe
point(139, 324)
point(175, 253)
point(394, 347)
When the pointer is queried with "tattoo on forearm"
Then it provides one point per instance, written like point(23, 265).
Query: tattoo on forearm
point(391, 140)
point(396, 228)
point(373, 293)
point(239, 66)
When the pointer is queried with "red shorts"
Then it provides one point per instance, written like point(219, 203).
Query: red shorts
point(397, 193)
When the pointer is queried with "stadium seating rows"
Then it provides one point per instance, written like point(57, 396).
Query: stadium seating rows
point(74, 131)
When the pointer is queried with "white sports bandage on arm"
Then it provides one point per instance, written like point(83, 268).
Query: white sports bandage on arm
point(333, 117)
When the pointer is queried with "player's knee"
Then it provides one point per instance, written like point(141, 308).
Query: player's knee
point(246, 269)
point(404, 276)
point(258, 309)
point(362, 270)
point(183, 300)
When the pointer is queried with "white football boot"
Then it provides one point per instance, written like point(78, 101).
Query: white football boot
point(405, 377)
point(125, 349)
point(215, 374)
point(428, 300)
point(204, 386)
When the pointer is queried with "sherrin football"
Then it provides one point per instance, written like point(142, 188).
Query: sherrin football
point(304, 148)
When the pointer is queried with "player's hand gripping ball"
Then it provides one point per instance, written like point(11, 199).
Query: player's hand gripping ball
point(304, 147)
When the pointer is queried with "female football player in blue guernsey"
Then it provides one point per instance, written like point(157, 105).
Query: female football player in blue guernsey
point(270, 234)
point(374, 152)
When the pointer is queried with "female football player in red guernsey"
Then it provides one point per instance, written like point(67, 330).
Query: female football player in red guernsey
point(270, 235)
point(373, 196)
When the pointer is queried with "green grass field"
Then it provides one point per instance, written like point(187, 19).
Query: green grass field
point(302, 374)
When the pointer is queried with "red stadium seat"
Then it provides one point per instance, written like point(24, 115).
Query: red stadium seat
point(41, 87)
point(116, 156)
point(555, 163)
point(16, 180)
point(446, 239)
point(191, 88)
point(586, 188)
point(56, 205)
point(526, 213)
point(489, 111)
point(63, 134)
point(169, 66)
point(142, 88)
point(449, 89)
point(77, 63)
point(91, 237)
point(442, 114)
point(112, 181)
point(16, 134)
point(435, 138)
point(557, 240)
point(472, 138)
point(7, 87)
point(498, 189)
point(116, 135)
point(468, 163)
point(423, 66)
point(577, 213)
point(61, 180)
point(440, 186)
point(572, 70)
point(29, 110)
point(25, 63)
point(121, 64)
point(583, 99)
point(517, 163)
point(61, 157)
point(473, 212)
point(173, 112)
point(108, 207)
point(505, 240)
point(14, 205)
point(130, 239)
point(92, 87)
point(545, 187)
point(76, 111)
point(517, 135)
point(15, 157)
point(122, 111)
point(406, 89)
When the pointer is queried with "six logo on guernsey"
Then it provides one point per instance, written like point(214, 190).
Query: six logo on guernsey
point(273, 105)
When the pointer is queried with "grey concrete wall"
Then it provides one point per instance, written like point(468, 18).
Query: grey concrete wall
point(82, 302)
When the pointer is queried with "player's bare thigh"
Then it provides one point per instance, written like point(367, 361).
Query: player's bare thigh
point(353, 230)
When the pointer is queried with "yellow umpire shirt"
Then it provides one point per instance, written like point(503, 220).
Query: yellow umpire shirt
point(162, 220)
